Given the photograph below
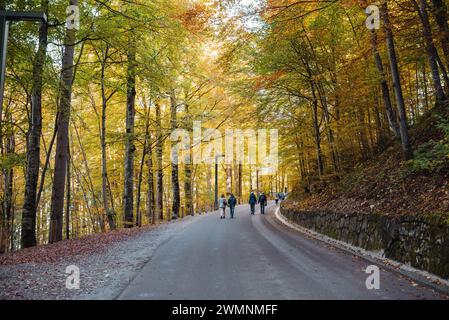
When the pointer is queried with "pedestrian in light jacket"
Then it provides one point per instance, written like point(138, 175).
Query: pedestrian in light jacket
point(222, 205)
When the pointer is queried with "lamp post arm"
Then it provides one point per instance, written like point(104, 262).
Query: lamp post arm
point(6, 17)
point(25, 16)
point(4, 30)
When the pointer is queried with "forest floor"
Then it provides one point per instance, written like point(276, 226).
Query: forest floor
point(107, 263)
point(381, 186)
point(386, 184)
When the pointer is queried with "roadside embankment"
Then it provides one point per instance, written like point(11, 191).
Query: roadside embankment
point(421, 242)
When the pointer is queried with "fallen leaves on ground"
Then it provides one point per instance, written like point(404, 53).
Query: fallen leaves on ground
point(379, 186)
point(68, 248)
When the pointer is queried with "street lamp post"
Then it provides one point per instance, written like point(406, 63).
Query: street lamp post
point(257, 180)
point(216, 180)
point(6, 17)
point(4, 29)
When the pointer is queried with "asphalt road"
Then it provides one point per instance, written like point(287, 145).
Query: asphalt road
point(255, 257)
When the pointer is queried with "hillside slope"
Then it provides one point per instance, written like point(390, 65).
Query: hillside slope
point(386, 184)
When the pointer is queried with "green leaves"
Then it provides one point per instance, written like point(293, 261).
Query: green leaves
point(433, 156)
point(12, 160)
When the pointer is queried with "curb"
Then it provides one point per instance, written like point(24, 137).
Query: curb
point(422, 277)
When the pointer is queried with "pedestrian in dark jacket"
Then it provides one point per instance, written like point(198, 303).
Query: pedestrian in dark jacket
point(232, 202)
point(263, 203)
point(252, 202)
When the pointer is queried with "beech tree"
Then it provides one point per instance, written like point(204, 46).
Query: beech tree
point(28, 234)
point(87, 115)
point(62, 142)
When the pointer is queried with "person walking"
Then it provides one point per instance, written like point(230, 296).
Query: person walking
point(263, 203)
point(252, 202)
point(222, 205)
point(232, 202)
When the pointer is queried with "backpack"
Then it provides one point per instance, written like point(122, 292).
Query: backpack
point(252, 198)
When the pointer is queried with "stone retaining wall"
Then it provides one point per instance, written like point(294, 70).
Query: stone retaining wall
point(422, 242)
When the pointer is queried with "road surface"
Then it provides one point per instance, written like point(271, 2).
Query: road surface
point(255, 257)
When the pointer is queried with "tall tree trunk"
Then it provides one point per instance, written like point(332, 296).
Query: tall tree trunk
point(316, 125)
point(139, 184)
point(240, 183)
point(257, 180)
point(283, 182)
point(250, 178)
point(299, 147)
point(236, 180)
point(88, 178)
point(209, 187)
point(146, 147)
point(86, 199)
point(364, 144)
point(104, 168)
point(323, 100)
point(329, 131)
point(175, 163)
point(159, 172)
point(439, 10)
point(7, 203)
point(380, 129)
point(47, 162)
point(317, 133)
point(150, 205)
point(196, 178)
point(188, 186)
point(426, 89)
point(391, 115)
point(431, 50)
point(28, 234)
point(68, 195)
point(406, 146)
point(128, 197)
point(228, 179)
point(188, 192)
point(57, 198)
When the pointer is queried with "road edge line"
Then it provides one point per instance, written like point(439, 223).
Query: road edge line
point(420, 276)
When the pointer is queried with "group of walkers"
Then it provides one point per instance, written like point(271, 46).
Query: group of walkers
point(253, 200)
point(280, 196)
point(223, 203)
point(232, 202)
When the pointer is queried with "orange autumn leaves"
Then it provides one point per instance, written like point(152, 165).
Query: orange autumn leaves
point(196, 17)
